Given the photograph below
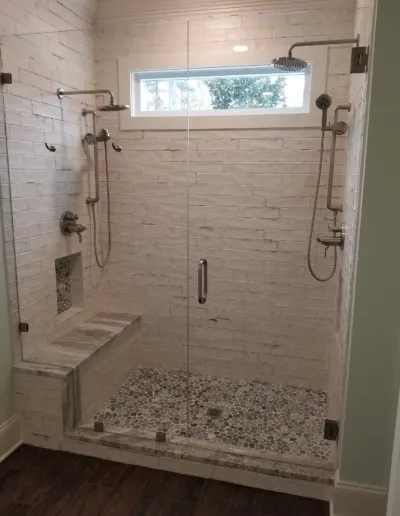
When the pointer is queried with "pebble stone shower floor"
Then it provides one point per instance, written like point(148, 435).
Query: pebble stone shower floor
point(254, 415)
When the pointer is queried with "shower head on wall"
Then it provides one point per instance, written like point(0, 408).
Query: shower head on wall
point(289, 63)
point(114, 107)
point(359, 56)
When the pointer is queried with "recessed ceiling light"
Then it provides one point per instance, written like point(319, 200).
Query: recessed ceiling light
point(240, 48)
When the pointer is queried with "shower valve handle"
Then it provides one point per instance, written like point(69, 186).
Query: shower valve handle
point(335, 241)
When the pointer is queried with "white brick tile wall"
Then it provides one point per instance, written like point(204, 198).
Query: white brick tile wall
point(40, 401)
point(250, 197)
point(43, 185)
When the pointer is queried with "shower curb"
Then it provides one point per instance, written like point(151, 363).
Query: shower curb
point(272, 475)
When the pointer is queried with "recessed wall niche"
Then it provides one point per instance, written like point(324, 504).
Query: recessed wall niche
point(69, 282)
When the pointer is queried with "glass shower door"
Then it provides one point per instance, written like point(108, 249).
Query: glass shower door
point(53, 170)
point(257, 342)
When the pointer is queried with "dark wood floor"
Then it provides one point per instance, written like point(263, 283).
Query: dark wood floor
point(37, 482)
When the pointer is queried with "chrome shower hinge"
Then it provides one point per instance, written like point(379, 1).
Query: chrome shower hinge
point(6, 78)
point(359, 60)
point(23, 327)
point(98, 426)
point(331, 430)
point(161, 437)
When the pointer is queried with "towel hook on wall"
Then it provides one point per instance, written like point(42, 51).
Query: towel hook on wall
point(50, 148)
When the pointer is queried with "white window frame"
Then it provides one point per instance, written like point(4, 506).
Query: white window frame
point(143, 62)
point(226, 71)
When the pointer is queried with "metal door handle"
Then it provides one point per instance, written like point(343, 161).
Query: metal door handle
point(202, 276)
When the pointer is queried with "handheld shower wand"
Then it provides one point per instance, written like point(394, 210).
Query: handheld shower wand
point(324, 102)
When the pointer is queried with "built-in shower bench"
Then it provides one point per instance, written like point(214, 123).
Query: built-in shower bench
point(67, 381)
point(85, 340)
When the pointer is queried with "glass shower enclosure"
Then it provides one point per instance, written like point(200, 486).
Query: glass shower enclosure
point(208, 224)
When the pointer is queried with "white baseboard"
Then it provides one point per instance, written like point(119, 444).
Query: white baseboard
point(351, 499)
point(10, 437)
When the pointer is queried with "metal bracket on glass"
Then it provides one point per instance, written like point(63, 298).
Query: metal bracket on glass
point(331, 430)
point(359, 60)
point(202, 277)
point(6, 78)
point(23, 327)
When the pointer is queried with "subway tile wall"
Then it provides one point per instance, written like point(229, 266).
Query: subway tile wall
point(43, 184)
point(250, 199)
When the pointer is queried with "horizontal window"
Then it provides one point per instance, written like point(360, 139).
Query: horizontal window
point(219, 91)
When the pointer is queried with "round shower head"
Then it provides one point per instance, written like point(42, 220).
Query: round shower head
point(289, 64)
point(323, 102)
point(114, 107)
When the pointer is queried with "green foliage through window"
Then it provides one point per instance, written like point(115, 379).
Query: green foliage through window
point(209, 90)
point(247, 92)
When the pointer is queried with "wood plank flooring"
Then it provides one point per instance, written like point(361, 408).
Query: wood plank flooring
point(38, 482)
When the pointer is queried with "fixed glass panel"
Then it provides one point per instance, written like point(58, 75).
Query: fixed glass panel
point(99, 222)
point(50, 172)
point(9, 289)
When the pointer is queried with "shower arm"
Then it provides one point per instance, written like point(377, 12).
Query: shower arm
point(61, 93)
point(329, 205)
point(94, 200)
point(324, 42)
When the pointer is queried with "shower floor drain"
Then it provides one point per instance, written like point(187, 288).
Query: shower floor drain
point(214, 412)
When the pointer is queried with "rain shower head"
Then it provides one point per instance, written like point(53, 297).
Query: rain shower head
point(114, 107)
point(289, 63)
point(359, 56)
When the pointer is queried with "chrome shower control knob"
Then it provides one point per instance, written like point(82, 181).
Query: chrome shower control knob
point(68, 225)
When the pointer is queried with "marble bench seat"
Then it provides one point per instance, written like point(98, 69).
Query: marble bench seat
point(63, 383)
point(82, 342)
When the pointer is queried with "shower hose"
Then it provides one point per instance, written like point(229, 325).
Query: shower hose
point(310, 237)
point(96, 254)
